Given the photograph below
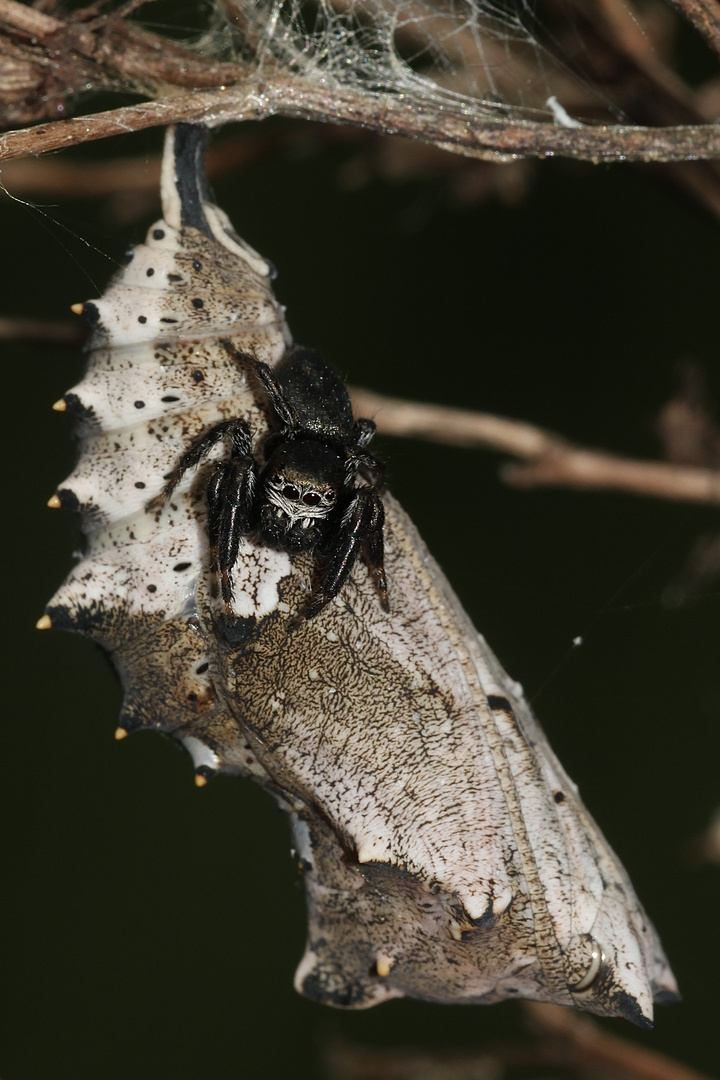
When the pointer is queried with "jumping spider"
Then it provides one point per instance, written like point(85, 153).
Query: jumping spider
point(318, 490)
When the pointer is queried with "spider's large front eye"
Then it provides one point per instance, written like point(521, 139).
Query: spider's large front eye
point(311, 498)
point(290, 492)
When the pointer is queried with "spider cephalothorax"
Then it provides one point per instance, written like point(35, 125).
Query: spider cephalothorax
point(318, 489)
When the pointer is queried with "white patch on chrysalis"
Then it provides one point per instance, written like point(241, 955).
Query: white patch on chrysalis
point(224, 233)
point(202, 756)
point(256, 577)
point(301, 840)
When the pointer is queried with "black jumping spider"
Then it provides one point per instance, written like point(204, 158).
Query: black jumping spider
point(318, 490)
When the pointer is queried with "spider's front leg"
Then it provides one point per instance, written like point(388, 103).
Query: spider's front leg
point(230, 492)
point(360, 530)
point(268, 380)
point(194, 455)
point(230, 497)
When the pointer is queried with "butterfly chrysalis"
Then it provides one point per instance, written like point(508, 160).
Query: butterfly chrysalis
point(446, 854)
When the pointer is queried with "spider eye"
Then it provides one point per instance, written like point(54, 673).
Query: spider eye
point(311, 498)
point(290, 492)
point(329, 497)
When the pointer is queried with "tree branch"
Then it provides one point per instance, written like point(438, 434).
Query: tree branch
point(46, 60)
point(705, 17)
point(492, 140)
point(549, 459)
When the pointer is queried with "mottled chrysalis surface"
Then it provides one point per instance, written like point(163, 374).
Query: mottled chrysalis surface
point(446, 854)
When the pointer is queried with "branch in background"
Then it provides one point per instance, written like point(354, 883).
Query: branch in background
point(45, 60)
point(705, 17)
point(549, 459)
point(131, 184)
point(690, 436)
point(36, 332)
point(589, 1050)
point(706, 847)
point(562, 1040)
point(628, 52)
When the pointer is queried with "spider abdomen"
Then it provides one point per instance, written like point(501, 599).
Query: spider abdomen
point(318, 394)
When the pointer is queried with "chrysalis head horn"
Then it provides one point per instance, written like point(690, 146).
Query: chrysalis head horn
point(183, 185)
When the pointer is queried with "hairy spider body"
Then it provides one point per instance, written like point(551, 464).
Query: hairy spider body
point(318, 489)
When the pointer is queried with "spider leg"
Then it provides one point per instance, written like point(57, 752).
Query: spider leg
point(372, 467)
point(364, 432)
point(374, 550)
point(360, 530)
point(265, 375)
point(230, 493)
point(194, 455)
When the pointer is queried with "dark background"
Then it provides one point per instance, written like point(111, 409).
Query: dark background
point(151, 930)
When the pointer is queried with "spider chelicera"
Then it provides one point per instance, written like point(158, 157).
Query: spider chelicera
point(318, 489)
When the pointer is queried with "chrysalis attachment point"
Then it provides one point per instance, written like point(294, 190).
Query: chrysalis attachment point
point(120, 733)
point(60, 405)
point(54, 502)
point(44, 623)
point(76, 309)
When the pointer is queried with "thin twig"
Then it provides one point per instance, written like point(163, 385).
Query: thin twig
point(37, 332)
point(705, 17)
point(548, 458)
point(28, 19)
point(563, 1040)
point(590, 1047)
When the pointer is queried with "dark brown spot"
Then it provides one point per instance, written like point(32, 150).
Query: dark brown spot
point(139, 404)
point(139, 484)
point(497, 701)
point(158, 234)
point(150, 272)
point(142, 319)
point(197, 303)
point(559, 797)
point(152, 588)
point(198, 375)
